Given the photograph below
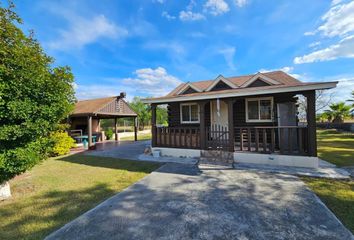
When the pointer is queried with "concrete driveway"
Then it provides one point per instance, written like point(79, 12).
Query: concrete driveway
point(183, 202)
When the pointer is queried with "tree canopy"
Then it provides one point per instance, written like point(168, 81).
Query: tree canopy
point(34, 97)
point(338, 112)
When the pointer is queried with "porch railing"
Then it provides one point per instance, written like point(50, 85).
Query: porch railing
point(178, 137)
point(288, 140)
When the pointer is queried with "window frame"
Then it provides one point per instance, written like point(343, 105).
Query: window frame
point(190, 113)
point(259, 109)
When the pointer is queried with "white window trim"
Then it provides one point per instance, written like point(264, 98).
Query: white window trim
point(259, 109)
point(190, 113)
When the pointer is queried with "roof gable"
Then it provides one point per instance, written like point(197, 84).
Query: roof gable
point(219, 80)
point(260, 77)
point(188, 86)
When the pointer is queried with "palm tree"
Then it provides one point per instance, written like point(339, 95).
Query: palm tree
point(338, 112)
point(352, 100)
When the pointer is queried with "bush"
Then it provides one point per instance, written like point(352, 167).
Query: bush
point(61, 143)
point(109, 134)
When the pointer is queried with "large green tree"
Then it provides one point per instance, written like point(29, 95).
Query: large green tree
point(34, 97)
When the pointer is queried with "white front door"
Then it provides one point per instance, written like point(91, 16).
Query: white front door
point(219, 115)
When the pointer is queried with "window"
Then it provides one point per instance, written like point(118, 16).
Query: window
point(189, 113)
point(259, 109)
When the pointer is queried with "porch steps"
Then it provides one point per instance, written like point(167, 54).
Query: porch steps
point(216, 157)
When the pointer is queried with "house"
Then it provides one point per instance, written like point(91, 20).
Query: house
point(251, 117)
point(86, 116)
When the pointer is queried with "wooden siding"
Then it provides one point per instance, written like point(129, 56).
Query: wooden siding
point(239, 112)
point(174, 117)
point(258, 83)
point(189, 90)
point(220, 86)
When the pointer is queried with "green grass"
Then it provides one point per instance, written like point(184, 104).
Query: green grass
point(336, 147)
point(141, 136)
point(337, 195)
point(60, 189)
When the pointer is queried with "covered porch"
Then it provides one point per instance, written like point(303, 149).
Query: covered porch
point(85, 119)
point(233, 134)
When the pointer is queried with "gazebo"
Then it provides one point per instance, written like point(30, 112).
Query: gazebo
point(88, 113)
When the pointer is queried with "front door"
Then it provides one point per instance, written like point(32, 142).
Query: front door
point(219, 113)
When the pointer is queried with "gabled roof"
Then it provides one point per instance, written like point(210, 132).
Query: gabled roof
point(276, 76)
point(188, 85)
point(109, 106)
point(221, 78)
point(277, 82)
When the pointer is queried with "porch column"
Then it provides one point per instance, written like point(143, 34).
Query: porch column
point(153, 125)
point(135, 129)
point(202, 124)
point(311, 122)
point(115, 129)
point(230, 112)
point(89, 130)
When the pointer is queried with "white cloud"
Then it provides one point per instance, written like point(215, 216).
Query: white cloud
point(159, 1)
point(314, 44)
point(84, 31)
point(338, 21)
point(96, 91)
point(190, 16)
point(241, 3)
point(152, 82)
point(288, 70)
point(216, 7)
point(167, 16)
point(229, 54)
point(335, 2)
point(344, 49)
point(343, 90)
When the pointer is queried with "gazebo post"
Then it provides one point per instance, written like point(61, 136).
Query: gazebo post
point(135, 129)
point(89, 130)
point(115, 129)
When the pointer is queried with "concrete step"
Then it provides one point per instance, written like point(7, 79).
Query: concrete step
point(216, 157)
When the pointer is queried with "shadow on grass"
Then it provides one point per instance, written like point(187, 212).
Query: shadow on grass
point(40, 215)
point(113, 163)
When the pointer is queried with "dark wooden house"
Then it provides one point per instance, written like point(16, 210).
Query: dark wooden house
point(246, 114)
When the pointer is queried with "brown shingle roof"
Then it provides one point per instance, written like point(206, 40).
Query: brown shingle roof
point(278, 76)
point(103, 106)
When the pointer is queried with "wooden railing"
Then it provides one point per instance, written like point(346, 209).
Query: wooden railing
point(217, 137)
point(290, 140)
point(178, 137)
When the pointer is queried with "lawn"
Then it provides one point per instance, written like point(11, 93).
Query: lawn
point(141, 136)
point(336, 147)
point(338, 195)
point(60, 189)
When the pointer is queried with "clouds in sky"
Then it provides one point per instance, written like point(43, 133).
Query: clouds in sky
point(344, 49)
point(83, 31)
point(216, 7)
point(154, 82)
point(229, 54)
point(338, 22)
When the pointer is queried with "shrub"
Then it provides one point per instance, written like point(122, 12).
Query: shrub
point(35, 96)
point(109, 134)
point(61, 143)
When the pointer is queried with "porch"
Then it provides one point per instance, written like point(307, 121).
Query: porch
point(295, 139)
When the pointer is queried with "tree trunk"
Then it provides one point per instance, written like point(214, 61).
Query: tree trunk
point(5, 191)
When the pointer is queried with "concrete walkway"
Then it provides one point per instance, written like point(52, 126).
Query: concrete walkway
point(181, 201)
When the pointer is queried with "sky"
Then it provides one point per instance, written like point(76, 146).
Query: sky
point(147, 47)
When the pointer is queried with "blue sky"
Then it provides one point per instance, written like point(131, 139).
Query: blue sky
point(148, 47)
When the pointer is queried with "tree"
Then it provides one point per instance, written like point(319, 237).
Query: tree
point(322, 101)
point(143, 111)
point(34, 97)
point(352, 101)
point(338, 112)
